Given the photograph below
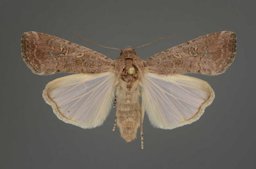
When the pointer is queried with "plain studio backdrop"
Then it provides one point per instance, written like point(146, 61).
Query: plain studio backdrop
point(32, 136)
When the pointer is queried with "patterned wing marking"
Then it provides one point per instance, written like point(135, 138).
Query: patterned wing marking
point(210, 54)
point(47, 54)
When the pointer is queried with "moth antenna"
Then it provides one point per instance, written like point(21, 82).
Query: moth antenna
point(151, 42)
point(114, 127)
point(96, 43)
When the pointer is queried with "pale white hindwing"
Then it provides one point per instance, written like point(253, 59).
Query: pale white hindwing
point(171, 101)
point(83, 100)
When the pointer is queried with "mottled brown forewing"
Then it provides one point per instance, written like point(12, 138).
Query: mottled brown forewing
point(210, 54)
point(47, 54)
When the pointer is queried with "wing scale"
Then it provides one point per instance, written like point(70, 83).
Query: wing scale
point(174, 100)
point(47, 54)
point(83, 100)
point(209, 54)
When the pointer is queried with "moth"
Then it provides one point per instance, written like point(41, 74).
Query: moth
point(156, 86)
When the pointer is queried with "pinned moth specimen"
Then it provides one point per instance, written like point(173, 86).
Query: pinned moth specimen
point(155, 86)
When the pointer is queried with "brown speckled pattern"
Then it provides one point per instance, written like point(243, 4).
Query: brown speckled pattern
point(210, 54)
point(47, 54)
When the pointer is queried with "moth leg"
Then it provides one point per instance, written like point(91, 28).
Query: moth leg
point(141, 129)
point(115, 123)
point(114, 103)
point(141, 138)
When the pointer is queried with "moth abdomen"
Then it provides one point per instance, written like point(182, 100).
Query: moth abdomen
point(128, 122)
point(128, 112)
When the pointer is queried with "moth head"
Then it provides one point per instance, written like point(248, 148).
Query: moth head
point(128, 53)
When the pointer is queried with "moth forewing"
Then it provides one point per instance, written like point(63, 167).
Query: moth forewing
point(209, 54)
point(47, 54)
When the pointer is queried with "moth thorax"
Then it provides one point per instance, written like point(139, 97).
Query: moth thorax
point(131, 70)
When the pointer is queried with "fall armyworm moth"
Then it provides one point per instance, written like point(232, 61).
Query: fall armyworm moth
point(155, 86)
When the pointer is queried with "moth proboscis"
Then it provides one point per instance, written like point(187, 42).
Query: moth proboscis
point(155, 85)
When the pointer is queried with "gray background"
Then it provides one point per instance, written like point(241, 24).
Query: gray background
point(32, 137)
